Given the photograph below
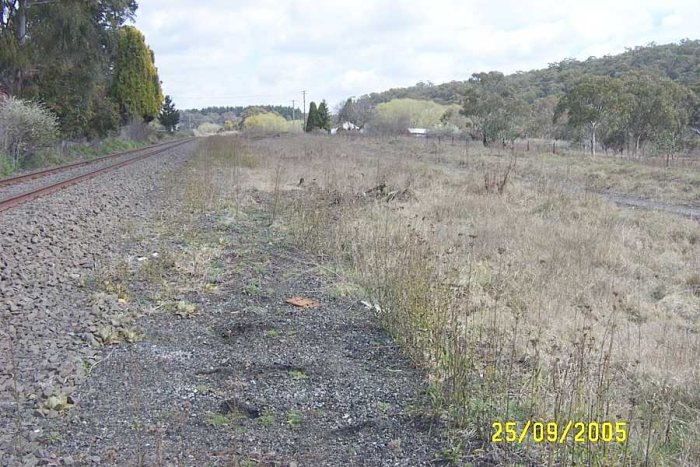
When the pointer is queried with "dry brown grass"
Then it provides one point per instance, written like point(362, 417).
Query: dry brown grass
point(535, 303)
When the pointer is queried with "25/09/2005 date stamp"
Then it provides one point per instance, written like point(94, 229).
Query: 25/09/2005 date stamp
point(555, 432)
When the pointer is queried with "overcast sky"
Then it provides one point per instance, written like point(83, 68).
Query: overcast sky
point(241, 52)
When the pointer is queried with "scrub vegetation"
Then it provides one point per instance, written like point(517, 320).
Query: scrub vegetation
point(529, 302)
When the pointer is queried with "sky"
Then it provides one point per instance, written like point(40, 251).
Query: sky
point(245, 52)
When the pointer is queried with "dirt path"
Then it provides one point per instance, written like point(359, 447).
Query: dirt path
point(251, 380)
point(633, 202)
point(692, 212)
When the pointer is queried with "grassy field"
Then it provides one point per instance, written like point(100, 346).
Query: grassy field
point(522, 298)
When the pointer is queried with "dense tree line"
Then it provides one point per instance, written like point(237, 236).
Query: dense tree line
point(285, 111)
point(231, 117)
point(80, 61)
point(631, 112)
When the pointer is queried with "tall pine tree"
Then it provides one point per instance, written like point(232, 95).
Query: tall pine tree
point(312, 118)
point(168, 116)
point(324, 117)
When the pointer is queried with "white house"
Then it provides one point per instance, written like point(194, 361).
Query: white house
point(418, 132)
point(346, 126)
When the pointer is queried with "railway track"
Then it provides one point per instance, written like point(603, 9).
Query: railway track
point(120, 160)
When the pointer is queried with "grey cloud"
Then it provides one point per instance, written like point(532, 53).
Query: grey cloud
point(338, 48)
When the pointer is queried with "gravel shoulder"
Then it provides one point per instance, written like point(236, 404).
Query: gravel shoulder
point(252, 380)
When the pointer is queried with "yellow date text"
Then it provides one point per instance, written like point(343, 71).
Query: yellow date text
point(558, 432)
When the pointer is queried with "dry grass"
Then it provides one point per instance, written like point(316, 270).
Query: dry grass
point(602, 173)
point(648, 178)
point(529, 302)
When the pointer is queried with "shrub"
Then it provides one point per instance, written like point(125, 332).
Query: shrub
point(137, 130)
point(207, 128)
point(24, 127)
point(266, 123)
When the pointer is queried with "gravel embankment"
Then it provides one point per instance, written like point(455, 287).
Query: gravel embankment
point(48, 248)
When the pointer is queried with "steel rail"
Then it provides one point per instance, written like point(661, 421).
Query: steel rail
point(62, 168)
point(52, 188)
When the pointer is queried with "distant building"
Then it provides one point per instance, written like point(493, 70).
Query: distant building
point(418, 132)
point(345, 126)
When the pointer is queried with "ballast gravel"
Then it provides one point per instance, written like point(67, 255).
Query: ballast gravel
point(49, 247)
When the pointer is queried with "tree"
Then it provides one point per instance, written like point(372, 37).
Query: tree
point(651, 108)
point(346, 112)
point(496, 113)
point(452, 120)
point(398, 115)
point(671, 134)
point(324, 118)
point(598, 104)
point(62, 53)
point(312, 120)
point(136, 87)
point(363, 110)
point(540, 123)
point(356, 111)
point(14, 57)
point(695, 114)
point(168, 116)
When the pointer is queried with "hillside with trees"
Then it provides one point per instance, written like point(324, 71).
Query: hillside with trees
point(677, 62)
point(643, 101)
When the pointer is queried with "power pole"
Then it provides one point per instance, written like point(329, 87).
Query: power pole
point(303, 93)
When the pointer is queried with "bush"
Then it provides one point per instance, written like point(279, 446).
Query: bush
point(207, 128)
point(137, 130)
point(24, 128)
point(5, 167)
point(266, 123)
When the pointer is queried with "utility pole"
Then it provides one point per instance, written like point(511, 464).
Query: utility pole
point(303, 93)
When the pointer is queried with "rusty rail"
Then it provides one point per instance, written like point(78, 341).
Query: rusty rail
point(61, 168)
point(48, 189)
